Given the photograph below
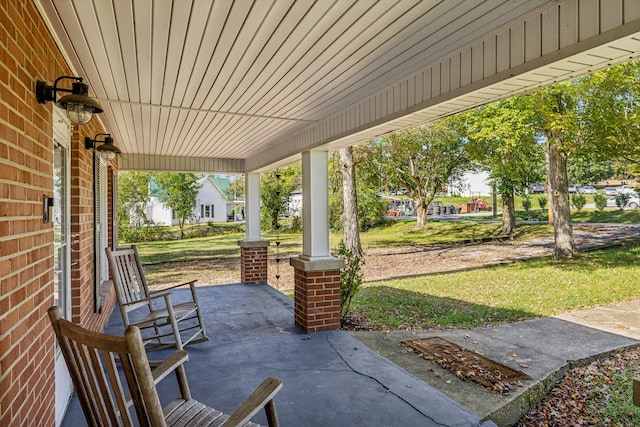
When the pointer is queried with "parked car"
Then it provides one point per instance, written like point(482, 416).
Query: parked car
point(632, 203)
point(586, 189)
point(536, 188)
point(609, 191)
point(573, 189)
point(626, 189)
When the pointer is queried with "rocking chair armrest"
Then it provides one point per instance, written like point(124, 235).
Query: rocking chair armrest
point(261, 397)
point(169, 365)
point(151, 298)
point(174, 286)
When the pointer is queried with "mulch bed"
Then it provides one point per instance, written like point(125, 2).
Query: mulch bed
point(468, 365)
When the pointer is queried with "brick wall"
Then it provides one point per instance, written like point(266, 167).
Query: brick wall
point(317, 300)
point(253, 265)
point(82, 233)
point(28, 53)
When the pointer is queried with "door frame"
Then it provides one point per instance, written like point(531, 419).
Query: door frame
point(62, 137)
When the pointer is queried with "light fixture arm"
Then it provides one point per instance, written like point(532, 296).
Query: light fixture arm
point(91, 143)
point(46, 93)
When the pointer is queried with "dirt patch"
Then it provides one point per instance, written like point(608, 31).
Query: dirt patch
point(397, 261)
point(406, 261)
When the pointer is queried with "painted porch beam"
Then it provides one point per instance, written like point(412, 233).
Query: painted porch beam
point(140, 162)
point(560, 41)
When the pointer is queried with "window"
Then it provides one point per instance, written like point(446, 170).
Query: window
point(206, 211)
point(101, 226)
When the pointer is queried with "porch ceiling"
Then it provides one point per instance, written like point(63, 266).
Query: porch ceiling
point(236, 79)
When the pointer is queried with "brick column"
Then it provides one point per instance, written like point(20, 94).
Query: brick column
point(253, 261)
point(317, 294)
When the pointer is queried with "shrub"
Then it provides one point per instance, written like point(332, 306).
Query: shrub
point(526, 203)
point(147, 233)
point(542, 202)
point(350, 278)
point(578, 201)
point(621, 200)
point(601, 201)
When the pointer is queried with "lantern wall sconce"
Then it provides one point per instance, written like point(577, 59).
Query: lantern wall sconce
point(79, 106)
point(107, 149)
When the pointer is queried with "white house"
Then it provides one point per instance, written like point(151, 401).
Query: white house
point(472, 184)
point(214, 203)
point(294, 207)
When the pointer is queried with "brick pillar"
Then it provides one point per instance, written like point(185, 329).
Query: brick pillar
point(253, 261)
point(317, 294)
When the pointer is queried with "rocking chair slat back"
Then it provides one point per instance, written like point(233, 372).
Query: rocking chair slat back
point(128, 276)
point(91, 359)
point(112, 373)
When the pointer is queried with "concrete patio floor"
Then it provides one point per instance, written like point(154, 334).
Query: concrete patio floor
point(329, 378)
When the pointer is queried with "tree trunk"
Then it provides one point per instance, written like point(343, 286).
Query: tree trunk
point(421, 213)
point(508, 213)
point(549, 204)
point(559, 201)
point(350, 213)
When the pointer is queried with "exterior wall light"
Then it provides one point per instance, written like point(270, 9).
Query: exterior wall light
point(107, 149)
point(80, 108)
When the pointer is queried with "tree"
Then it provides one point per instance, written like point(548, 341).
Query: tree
point(592, 118)
point(578, 201)
point(583, 171)
point(424, 160)
point(133, 196)
point(542, 202)
point(609, 112)
point(371, 208)
point(275, 189)
point(502, 137)
point(350, 221)
point(557, 121)
point(178, 191)
point(237, 185)
point(601, 201)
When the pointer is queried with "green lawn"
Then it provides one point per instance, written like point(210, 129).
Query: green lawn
point(502, 294)
point(396, 232)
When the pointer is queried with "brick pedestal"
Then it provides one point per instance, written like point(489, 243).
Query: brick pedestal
point(253, 261)
point(317, 294)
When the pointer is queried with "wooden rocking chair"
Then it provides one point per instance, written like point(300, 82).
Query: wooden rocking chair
point(93, 357)
point(184, 319)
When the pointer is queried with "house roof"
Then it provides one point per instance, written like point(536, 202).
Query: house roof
point(240, 86)
point(222, 184)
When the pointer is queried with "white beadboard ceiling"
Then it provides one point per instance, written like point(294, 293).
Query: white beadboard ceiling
point(231, 79)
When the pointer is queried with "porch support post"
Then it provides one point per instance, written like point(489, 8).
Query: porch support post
point(253, 249)
point(317, 273)
point(252, 206)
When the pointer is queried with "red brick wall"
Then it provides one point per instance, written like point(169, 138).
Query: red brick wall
point(82, 233)
point(317, 300)
point(28, 53)
point(253, 262)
